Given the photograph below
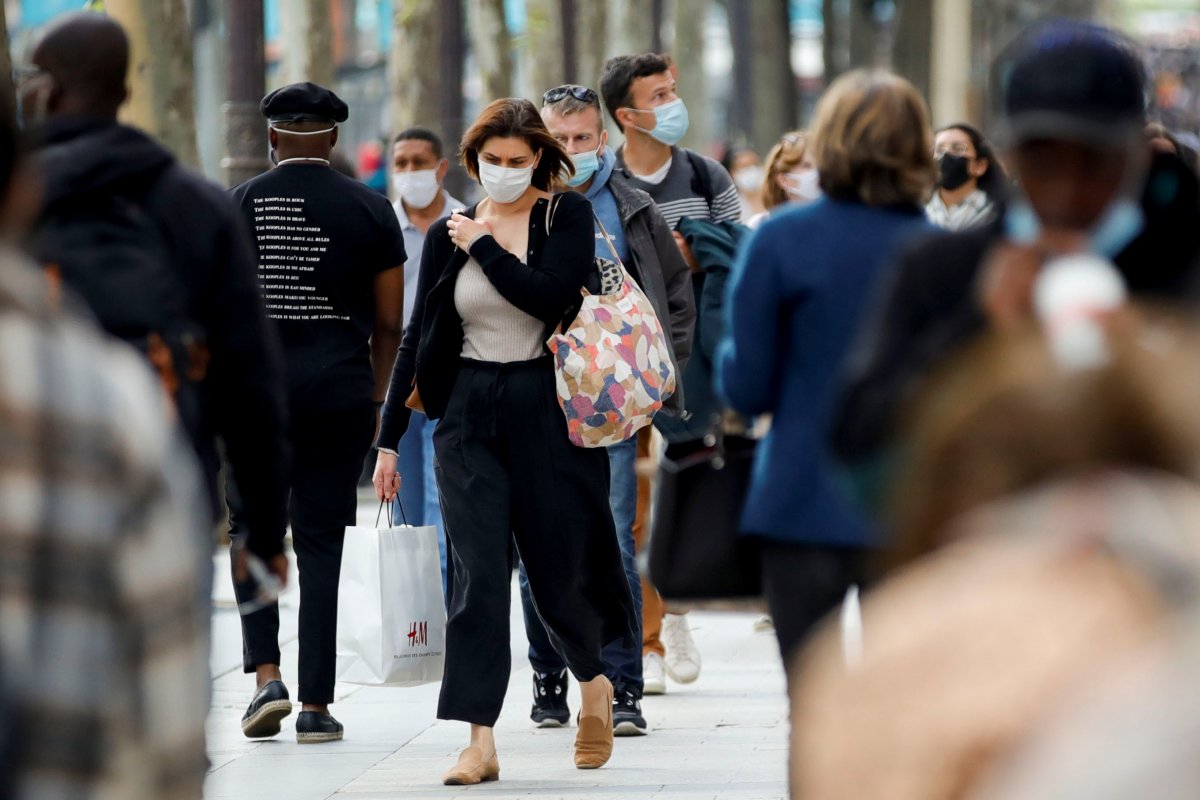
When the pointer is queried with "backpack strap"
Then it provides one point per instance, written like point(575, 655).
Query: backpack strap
point(701, 179)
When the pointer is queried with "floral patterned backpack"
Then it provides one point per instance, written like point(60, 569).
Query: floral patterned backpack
point(612, 363)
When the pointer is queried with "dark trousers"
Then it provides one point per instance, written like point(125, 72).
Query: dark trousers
point(622, 663)
point(327, 454)
point(802, 584)
point(507, 472)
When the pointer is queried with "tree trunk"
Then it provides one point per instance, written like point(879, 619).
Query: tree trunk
point(307, 42)
point(951, 68)
point(245, 133)
point(995, 24)
point(688, 51)
point(10, 112)
point(567, 10)
point(346, 29)
point(591, 42)
point(914, 42)
point(862, 36)
point(773, 85)
point(453, 48)
point(162, 100)
point(742, 92)
point(493, 48)
point(833, 49)
point(415, 64)
point(541, 48)
point(631, 27)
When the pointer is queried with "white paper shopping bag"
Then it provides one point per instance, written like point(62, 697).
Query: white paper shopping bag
point(391, 612)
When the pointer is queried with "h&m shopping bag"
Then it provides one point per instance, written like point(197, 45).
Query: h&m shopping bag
point(391, 614)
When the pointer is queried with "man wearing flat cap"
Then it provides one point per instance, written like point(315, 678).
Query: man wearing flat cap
point(1073, 111)
point(331, 266)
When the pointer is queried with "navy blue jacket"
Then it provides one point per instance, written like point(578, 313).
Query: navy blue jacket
point(801, 287)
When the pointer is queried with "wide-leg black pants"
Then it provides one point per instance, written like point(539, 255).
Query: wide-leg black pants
point(507, 471)
point(327, 455)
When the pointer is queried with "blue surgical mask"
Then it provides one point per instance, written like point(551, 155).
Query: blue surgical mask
point(1118, 225)
point(586, 165)
point(670, 122)
point(1021, 224)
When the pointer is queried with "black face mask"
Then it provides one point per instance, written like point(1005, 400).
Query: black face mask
point(954, 171)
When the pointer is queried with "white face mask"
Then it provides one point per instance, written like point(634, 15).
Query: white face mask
point(749, 179)
point(418, 189)
point(504, 184)
point(803, 186)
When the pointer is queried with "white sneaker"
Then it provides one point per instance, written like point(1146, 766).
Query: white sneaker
point(683, 657)
point(654, 677)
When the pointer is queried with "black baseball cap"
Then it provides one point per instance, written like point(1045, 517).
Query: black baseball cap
point(303, 102)
point(1072, 80)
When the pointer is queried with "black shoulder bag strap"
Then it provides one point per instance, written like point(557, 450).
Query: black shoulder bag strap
point(701, 179)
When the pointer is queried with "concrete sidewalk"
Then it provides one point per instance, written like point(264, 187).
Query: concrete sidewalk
point(724, 736)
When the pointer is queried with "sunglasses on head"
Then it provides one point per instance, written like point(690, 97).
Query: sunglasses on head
point(581, 93)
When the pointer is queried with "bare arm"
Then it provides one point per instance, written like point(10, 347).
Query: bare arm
point(389, 320)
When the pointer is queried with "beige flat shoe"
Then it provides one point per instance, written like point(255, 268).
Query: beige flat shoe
point(472, 769)
point(594, 740)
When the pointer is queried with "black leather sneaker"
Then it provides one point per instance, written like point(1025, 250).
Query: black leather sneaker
point(550, 699)
point(313, 727)
point(270, 705)
point(627, 714)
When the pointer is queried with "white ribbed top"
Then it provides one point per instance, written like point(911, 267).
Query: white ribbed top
point(494, 329)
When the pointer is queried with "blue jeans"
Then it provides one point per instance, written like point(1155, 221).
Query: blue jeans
point(622, 665)
point(418, 490)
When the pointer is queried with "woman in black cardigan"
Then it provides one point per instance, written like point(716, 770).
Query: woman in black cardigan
point(495, 281)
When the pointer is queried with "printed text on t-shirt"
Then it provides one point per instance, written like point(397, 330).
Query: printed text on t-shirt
point(289, 248)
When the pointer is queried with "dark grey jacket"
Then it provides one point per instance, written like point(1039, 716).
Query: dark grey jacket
point(660, 270)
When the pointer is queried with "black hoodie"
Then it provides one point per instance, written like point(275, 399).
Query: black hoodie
point(242, 398)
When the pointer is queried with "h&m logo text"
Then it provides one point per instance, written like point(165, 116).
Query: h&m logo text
point(418, 634)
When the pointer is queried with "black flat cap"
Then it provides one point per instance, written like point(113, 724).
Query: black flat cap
point(1074, 81)
point(303, 102)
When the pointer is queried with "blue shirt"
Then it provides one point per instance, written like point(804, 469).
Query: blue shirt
point(605, 207)
point(414, 242)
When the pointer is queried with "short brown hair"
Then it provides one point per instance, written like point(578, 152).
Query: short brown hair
point(516, 118)
point(871, 140)
point(787, 153)
point(616, 84)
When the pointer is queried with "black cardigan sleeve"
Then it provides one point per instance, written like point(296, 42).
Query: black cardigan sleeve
point(547, 288)
point(394, 418)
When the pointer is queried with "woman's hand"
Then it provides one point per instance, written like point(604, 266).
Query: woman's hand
point(464, 230)
point(386, 478)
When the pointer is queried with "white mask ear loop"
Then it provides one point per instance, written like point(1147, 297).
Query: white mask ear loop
point(303, 133)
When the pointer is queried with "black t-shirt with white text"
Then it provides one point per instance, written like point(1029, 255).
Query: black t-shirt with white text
point(321, 239)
